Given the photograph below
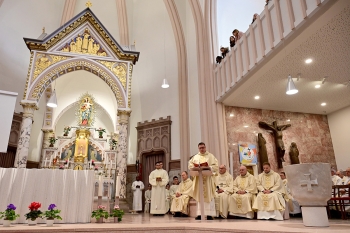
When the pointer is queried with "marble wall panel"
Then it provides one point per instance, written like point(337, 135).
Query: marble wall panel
point(309, 131)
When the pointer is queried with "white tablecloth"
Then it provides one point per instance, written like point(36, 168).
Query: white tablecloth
point(71, 191)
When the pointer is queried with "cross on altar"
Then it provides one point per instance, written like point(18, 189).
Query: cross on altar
point(308, 182)
point(88, 4)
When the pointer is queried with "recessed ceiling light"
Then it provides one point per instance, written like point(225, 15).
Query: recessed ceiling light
point(323, 104)
point(246, 126)
point(257, 97)
point(309, 60)
point(231, 115)
point(318, 86)
point(288, 120)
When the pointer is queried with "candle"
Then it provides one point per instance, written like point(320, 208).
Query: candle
point(231, 162)
point(117, 186)
point(100, 186)
point(68, 163)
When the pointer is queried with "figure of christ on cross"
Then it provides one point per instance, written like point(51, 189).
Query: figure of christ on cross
point(277, 132)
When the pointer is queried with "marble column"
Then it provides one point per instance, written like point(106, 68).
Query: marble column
point(122, 149)
point(47, 134)
point(23, 142)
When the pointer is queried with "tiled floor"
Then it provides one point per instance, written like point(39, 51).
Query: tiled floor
point(145, 223)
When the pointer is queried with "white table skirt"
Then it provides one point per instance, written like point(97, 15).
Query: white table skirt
point(71, 191)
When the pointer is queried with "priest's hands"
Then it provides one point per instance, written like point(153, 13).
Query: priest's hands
point(178, 194)
point(220, 191)
point(241, 192)
point(196, 165)
point(204, 164)
point(137, 186)
point(267, 191)
point(159, 179)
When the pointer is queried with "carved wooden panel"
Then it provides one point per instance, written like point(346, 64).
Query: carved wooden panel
point(155, 135)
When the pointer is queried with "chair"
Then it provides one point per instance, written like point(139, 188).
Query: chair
point(340, 200)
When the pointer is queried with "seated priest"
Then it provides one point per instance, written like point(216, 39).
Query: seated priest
point(294, 207)
point(270, 202)
point(244, 191)
point(223, 191)
point(182, 196)
point(173, 188)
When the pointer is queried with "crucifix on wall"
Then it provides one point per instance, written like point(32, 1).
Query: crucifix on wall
point(277, 132)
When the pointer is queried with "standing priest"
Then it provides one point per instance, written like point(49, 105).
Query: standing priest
point(158, 179)
point(224, 190)
point(137, 187)
point(204, 159)
point(244, 191)
point(270, 203)
point(182, 196)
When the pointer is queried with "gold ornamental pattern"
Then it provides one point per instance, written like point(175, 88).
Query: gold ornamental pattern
point(28, 74)
point(87, 17)
point(43, 61)
point(45, 81)
point(129, 86)
point(119, 69)
point(84, 44)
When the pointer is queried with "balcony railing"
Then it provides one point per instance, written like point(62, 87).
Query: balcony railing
point(276, 22)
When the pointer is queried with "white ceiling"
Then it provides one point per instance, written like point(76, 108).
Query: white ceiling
point(327, 42)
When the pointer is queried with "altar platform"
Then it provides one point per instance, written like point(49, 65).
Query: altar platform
point(147, 223)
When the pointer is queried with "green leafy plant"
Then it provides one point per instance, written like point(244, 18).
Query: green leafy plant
point(34, 212)
point(117, 213)
point(52, 140)
point(51, 213)
point(9, 213)
point(100, 213)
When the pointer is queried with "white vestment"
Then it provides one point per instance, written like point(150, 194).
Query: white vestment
point(148, 197)
point(137, 200)
point(158, 191)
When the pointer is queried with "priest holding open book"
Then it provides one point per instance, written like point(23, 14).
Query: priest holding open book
point(207, 160)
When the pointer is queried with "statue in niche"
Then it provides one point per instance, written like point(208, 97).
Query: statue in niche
point(85, 112)
point(262, 150)
point(277, 132)
point(294, 153)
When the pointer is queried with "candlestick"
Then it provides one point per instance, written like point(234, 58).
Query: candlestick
point(117, 186)
point(100, 186)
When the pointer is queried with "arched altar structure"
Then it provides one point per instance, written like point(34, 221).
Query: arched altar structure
point(83, 43)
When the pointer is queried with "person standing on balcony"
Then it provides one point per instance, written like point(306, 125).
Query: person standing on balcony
point(232, 41)
point(237, 34)
point(254, 17)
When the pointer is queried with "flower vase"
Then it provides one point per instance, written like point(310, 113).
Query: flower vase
point(32, 222)
point(49, 222)
point(6, 223)
point(100, 220)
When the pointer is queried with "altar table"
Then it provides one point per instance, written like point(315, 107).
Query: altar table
point(70, 190)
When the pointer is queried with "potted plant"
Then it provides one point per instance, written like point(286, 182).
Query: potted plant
point(51, 214)
point(100, 132)
point(112, 144)
point(117, 214)
point(34, 213)
point(66, 130)
point(9, 215)
point(52, 141)
point(100, 213)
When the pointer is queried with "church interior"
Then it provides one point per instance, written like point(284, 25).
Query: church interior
point(94, 93)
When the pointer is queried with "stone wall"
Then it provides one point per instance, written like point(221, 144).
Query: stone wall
point(309, 131)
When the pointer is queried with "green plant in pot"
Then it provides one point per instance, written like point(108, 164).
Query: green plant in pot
point(51, 214)
point(9, 215)
point(34, 213)
point(100, 213)
point(117, 214)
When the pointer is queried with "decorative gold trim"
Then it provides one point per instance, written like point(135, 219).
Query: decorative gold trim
point(124, 112)
point(87, 17)
point(43, 61)
point(129, 85)
point(118, 69)
point(28, 74)
point(45, 81)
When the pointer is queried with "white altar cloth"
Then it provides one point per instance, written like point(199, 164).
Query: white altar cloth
point(70, 190)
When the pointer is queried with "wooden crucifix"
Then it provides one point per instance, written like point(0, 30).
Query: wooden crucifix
point(277, 132)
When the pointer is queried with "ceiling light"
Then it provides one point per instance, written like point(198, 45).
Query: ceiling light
point(53, 100)
point(288, 120)
point(165, 83)
point(246, 126)
point(308, 61)
point(232, 115)
point(323, 104)
point(291, 90)
point(318, 86)
point(257, 97)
